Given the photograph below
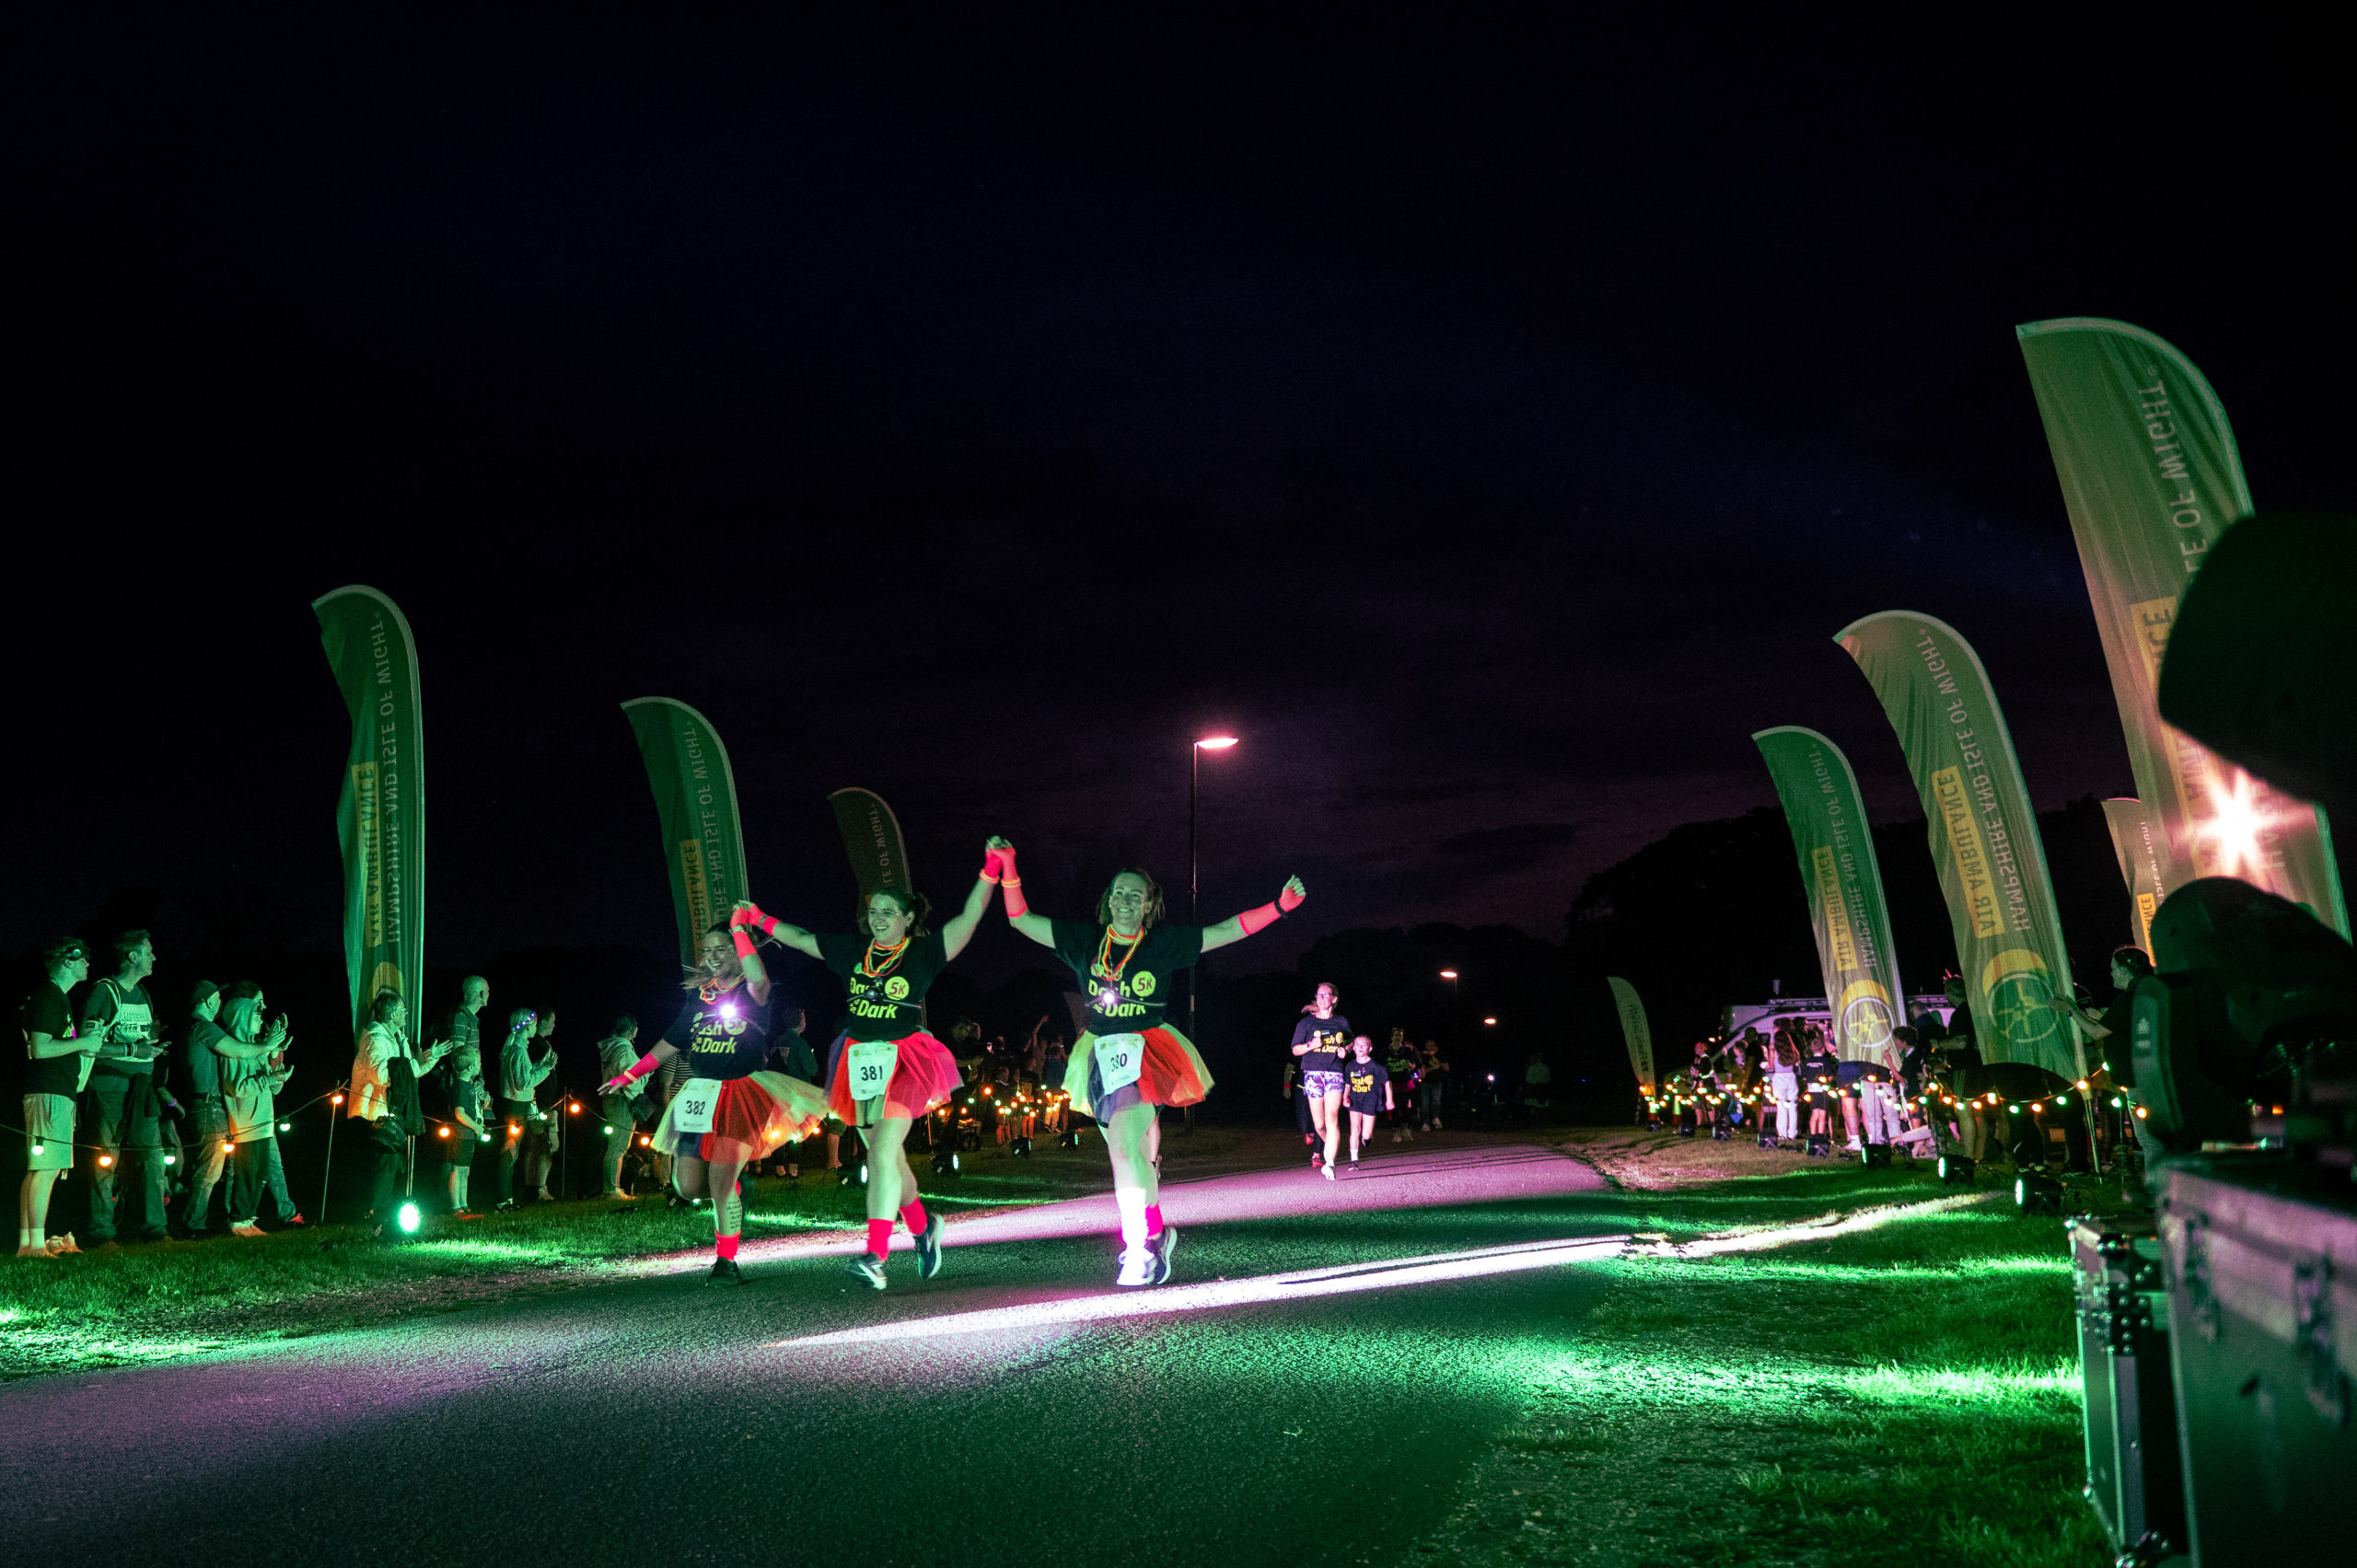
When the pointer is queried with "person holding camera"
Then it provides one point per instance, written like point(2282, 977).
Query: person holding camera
point(123, 1107)
point(521, 1073)
point(250, 1080)
point(60, 1066)
point(210, 1049)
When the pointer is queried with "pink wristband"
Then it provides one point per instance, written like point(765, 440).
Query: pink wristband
point(1259, 919)
point(991, 863)
point(638, 1069)
point(1012, 887)
point(744, 940)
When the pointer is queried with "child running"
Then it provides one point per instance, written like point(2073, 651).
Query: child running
point(1368, 1087)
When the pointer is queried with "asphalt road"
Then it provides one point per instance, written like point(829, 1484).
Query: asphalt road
point(1308, 1390)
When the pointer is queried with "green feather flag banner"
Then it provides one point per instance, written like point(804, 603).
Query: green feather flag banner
point(695, 798)
point(872, 838)
point(1636, 1031)
point(2151, 478)
point(380, 814)
point(1983, 834)
point(1843, 883)
point(2136, 838)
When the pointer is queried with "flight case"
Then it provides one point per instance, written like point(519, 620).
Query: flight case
point(2261, 1257)
point(2132, 1472)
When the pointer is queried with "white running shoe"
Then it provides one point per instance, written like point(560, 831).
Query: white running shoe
point(1137, 1266)
point(1327, 1171)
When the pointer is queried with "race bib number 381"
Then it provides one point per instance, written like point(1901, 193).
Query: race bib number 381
point(1120, 1060)
point(692, 1112)
point(868, 1065)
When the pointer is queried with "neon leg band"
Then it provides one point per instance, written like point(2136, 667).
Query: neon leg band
point(1012, 887)
point(912, 1216)
point(726, 1246)
point(1132, 1203)
point(1259, 919)
point(1152, 1221)
point(879, 1236)
point(744, 940)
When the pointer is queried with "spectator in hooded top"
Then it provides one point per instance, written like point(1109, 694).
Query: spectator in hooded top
point(210, 1049)
point(60, 1058)
point(250, 1085)
point(620, 1107)
point(122, 1100)
point(522, 1070)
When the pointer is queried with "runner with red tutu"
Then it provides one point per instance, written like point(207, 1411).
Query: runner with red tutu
point(731, 1111)
point(1129, 1061)
point(887, 1072)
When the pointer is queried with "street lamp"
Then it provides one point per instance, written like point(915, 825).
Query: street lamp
point(1450, 976)
point(1194, 799)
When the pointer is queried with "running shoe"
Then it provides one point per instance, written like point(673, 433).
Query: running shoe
point(869, 1267)
point(929, 1248)
point(724, 1271)
point(1137, 1266)
point(247, 1229)
point(1317, 1158)
point(1327, 1171)
point(1163, 1247)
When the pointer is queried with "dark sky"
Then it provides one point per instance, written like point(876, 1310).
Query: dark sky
point(1489, 419)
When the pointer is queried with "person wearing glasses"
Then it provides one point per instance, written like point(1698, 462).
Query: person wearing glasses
point(60, 1066)
point(1129, 1061)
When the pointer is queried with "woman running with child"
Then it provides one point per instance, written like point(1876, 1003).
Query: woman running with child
point(888, 1072)
point(1321, 1042)
point(731, 1111)
point(1129, 1061)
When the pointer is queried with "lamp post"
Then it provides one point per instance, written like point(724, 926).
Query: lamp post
point(1194, 800)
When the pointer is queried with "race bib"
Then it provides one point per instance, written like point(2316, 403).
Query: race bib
point(868, 1065)
point(1120, 1060)
point(691, 1111)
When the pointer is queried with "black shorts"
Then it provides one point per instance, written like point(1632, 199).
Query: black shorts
point(1373, 1106)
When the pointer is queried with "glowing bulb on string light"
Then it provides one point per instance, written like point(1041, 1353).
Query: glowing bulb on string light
point(335, 1099)
point(287, 1126)
point(409, 1219)
point(442, 1132)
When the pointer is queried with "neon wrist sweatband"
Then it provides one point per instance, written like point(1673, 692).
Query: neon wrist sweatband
point(638, 1069)
point(739, 917)
point(1012, 887)
point(1259, 919)
point(744, 940)
point(991, 861)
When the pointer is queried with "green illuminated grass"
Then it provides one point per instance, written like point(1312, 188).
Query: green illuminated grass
point(168, 1300)
point(1903, 1395)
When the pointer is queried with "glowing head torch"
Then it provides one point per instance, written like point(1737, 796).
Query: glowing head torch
point(729, 1009)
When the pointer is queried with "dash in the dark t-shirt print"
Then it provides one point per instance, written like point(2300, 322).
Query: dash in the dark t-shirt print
point(1131, 1060)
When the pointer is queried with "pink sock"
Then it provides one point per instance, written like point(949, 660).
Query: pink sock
point(727, 1245)
point(879, 1236)
point(913, 1217)
point(1152, 1221)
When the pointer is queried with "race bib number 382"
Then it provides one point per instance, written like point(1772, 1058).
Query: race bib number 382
point(692, 1112)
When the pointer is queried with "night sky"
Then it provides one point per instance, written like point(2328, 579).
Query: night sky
point(1488, 419)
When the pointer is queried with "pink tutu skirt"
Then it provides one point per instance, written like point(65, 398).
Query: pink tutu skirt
point(754, 1116)
point(923, 1076)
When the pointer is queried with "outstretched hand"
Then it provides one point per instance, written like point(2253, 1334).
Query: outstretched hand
point(1290, 896)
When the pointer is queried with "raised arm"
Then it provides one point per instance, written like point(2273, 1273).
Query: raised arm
point(960, 928)
point(1037, 928)
point(750, 918)
point(749, 959)
point(1237, 927)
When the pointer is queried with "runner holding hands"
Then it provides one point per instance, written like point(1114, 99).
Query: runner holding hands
point(1320, 1041)
point(888, 1072)
point(1130, 1061)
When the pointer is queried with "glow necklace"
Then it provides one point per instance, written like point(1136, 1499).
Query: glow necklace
point(1105, 967)
point(897, 951)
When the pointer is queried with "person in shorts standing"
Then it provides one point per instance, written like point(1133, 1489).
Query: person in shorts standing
point(60, 1065)
point(1366, 1090)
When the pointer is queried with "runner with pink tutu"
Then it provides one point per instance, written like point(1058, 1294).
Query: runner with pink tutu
point(887, 1071)
point(732, 1111)
point(1130, 1061)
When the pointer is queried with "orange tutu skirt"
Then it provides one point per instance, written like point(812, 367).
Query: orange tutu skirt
point(1172, 1074)
point(923, 1076)
point(755, 1115)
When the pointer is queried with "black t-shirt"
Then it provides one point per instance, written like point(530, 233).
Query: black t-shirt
point(203, 1066)
point(1364, 1082)
point(1820, 1065)
point(1127, 995)
point(46, 1013)
point(889, 1005)
point(726, 1037)
point(1328, 1040)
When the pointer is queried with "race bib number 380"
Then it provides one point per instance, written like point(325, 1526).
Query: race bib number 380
point(692, 1112)
point(868, 1065)
point(1120, 1060)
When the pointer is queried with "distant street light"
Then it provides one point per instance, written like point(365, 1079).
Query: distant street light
point(1194, 798)
point(1490, 1021)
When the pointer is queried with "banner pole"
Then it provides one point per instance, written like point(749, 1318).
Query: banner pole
point(327, 1166)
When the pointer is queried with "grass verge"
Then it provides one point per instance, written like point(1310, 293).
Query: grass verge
point(1902, 1393)
point(167, 1300)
